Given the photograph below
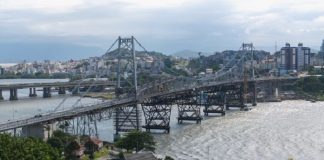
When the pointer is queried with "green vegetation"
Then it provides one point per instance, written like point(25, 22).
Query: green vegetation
point(312, 71)
point(102, 153)
point(102, 95)
point(64, 143)
point(91, 148)
point(69, 150)
point(26, 148)
point(168, 158)
point(168, 62)
point(311, 87)
point(171, 69)
point(175, 72)
point(144, 78)
point(136, 140)
point(200, 64)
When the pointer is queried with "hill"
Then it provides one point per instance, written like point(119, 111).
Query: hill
point(187, 54)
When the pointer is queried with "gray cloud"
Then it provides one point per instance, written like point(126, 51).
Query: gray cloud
point(166, 26)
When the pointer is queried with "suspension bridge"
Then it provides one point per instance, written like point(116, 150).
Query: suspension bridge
point(233, 86)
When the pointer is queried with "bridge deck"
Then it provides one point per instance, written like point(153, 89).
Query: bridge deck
point(56, 84)
point(75, 112)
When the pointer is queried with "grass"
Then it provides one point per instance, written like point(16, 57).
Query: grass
point(101, 95)
point(102, 153)
point(320, 97)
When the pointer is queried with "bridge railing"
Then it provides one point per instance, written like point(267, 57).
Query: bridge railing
point(178, 84)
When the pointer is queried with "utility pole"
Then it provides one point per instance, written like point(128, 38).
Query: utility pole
point(245, 85)
point(252, 58)
point(118, 67)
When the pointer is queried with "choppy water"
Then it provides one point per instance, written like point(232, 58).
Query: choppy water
point(290, 129)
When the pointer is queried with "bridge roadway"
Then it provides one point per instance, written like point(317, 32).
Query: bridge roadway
point(78, 111)
point(56, 84)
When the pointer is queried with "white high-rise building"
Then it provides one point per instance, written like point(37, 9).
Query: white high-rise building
point(303, 58)
point(294, 58)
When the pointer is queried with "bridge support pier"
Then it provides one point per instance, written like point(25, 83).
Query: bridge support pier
point(157, 116)
point(47, 92)
point(76, 90)
point(234, 98)
point(61, 90)
point(126, 119)
point(215, 104)
point(1, 96)
point(32, 92)
point(37, 130)
point(13, 94)
point(189, 113)
point(254, 94)
point(219, 109)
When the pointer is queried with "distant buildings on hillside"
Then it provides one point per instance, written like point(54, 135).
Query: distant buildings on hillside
point(85, 67)
point(290, 59)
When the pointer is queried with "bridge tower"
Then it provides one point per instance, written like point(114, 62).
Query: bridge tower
point(249, 49)
point(126, 118)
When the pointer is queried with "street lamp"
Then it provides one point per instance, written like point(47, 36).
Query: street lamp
point(13, 113)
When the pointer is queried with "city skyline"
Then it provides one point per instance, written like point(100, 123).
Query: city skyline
point(78, 28)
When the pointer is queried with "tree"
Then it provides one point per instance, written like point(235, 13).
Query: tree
point(26, 148)
point(70, 150)
point(168, 62)
point(311, 70)
point(57, 143)
point(63, 142)
point(138, 140)
point(64, 137)
point(168, 158)
point(91, 147)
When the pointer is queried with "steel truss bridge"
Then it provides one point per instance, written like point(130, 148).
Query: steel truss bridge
point(47, 87)
point(233, 86)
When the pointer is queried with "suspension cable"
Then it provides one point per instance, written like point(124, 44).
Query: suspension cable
point(80, 82)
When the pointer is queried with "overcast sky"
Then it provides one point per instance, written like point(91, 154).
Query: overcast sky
point(163, 25)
